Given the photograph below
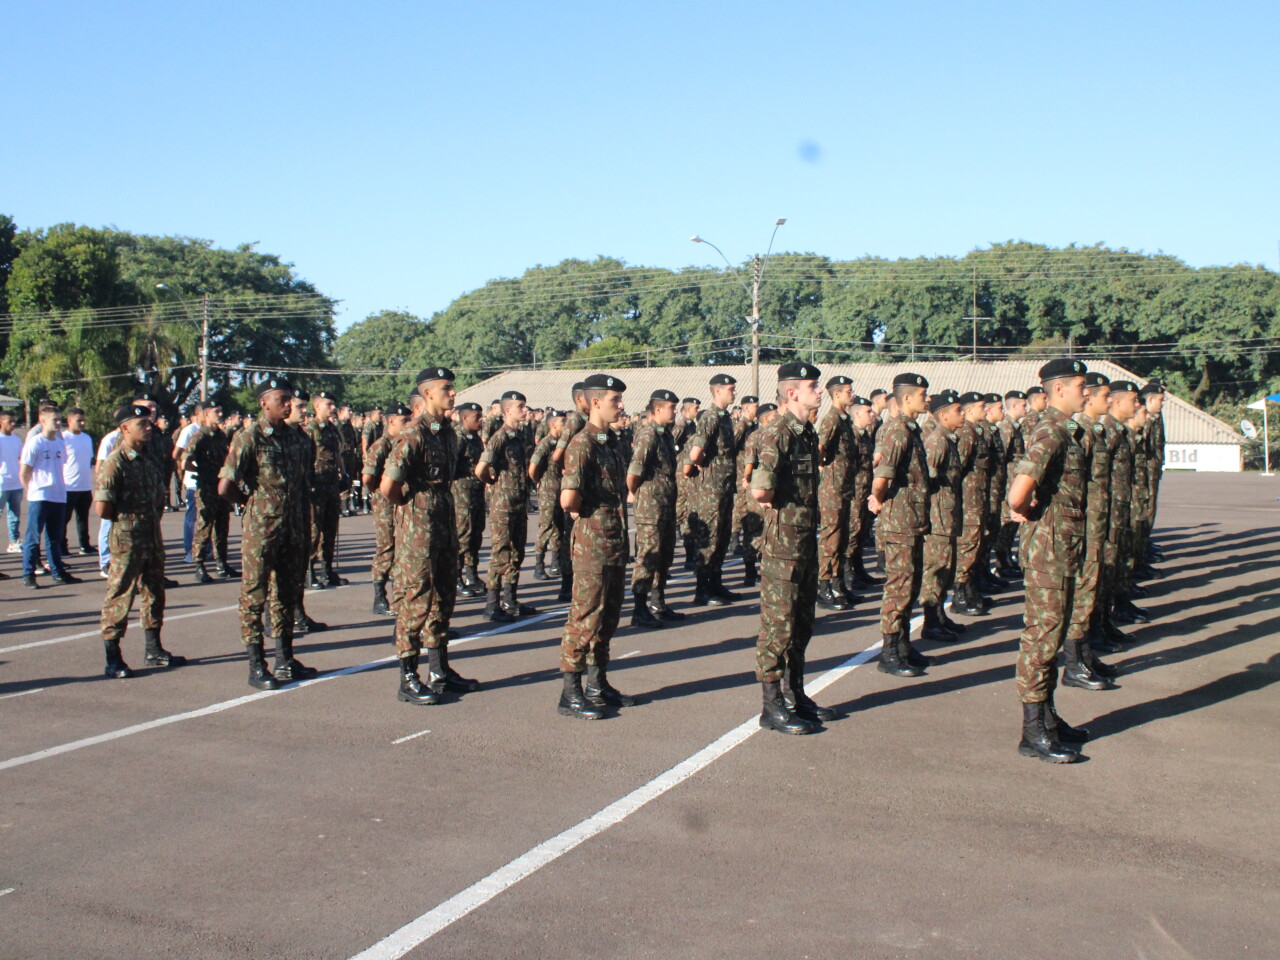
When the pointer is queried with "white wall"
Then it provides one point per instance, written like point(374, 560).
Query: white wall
point(1203, 457)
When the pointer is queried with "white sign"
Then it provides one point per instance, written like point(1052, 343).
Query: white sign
point(1203, 457)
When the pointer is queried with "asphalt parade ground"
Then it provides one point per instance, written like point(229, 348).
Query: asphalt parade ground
point(183, 814)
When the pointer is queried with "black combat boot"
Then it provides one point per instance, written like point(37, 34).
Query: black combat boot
point(716, 587)
point(493, 608)
point(471, 580)
point(601, 692)
point(1114, 633)
point(1136, 590)
point(226, 570)
point(776, 716)
point(539, 569)
point(750, 575)
point(690, 554)
point(891, 661)
point(642, 616)
point(260, 677)
point(965, 602)
point(443, 677)
point(934, 629)
point(735, 544)
point(909, 654)
point(288, 669)
point(799, 702)
point(1098, 640)
point(412, 689)
point(827, 598)
point(302, 622)
point(314, 579)
point(573, 703)
point(947, 622)
point(862, 577)
point(1058, 729)
point(1078, 674)
point(566, 584)
point(116, 668)
point(380, 604)
point(202, 575)
point(511, 605)
point(1036, 741)
point(553, 565)
point(1126, 611)
point(659, 606)
point(840, 585)
point(158, 656)
point(703, 594)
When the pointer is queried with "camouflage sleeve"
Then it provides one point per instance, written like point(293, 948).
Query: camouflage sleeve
point(890, 447)
point(768, 456)
point(1044, 447)
point(644, 444)
point(827, 430)
point(108, 483)
point(541, 453)
point(575, 466)
point(570, 428)
point(494, 446)
point(240, 460)
point(397, 465)
point(935, 452)
point(370, 466)
point(702, 432)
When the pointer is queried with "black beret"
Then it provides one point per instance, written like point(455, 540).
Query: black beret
point(275, 383)
point(1123, 386)
point(798, 370)
point(1095, 380)
point(427, 374)
point(1062, 367)
point(377, 406)
point(910, 380)
point(839, 381)
point(668, 395)
point(555, 414)
point(722, 380)
point(579, 387)
point(1151, 388)
point(694, 400)
point(861, 401)
point(514, 395)
point(877, 392)
point(324, 395)
point(1015, 395)
point(940, 400)
point(399, 410)
point(469, 406)
point(301, 395)
point(132, 411)
point(750, 398)
point(603, 381)
point(994, 398)
point(766, 408)
point(972, 397)
point(147, 397)
point(1033, 391)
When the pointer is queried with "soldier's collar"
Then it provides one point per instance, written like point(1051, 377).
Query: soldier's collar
point(659, 428)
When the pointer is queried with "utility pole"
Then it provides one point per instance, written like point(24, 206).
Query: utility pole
point(975, 318)
point(756, 266)
point(204, 348)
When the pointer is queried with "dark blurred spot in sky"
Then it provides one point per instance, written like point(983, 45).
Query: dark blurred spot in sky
point(809, 151)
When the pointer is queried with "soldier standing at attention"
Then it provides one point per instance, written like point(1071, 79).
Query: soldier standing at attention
point(651, 486)
point(297, 420)
point(469, 499)
point(974, 462)
point(371, 430)
point(1122, 403)
point(998, 485)
point(785, 486)
point(939, 555)
point(861, 518)
point(545, 472)
point(839, 451)
point(130, 493)
point(574, 421)
point(505, 466)
point(711, 450)
point(593, 491)
point(1048, 495)
point(753, 518)
point(384, 513)
point(1126, 610)
point(1015, 445)
point(879, 401)
point(327, 480)
point(206, 453)
point(1037, 400)
point(419, 475)
point(1152, 396)
point(267, 470)
point(900, 498)
point(352, 456)
point(684, 430)
point(744, 424)
point(492, 421)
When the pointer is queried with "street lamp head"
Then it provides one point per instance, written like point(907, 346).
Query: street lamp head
point(697, 239)
point(780, 221)
point(162, 286)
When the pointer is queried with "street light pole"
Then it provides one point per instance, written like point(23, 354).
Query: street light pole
point(204, 336)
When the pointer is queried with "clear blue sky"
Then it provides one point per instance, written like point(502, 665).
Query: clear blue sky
point(402, 153)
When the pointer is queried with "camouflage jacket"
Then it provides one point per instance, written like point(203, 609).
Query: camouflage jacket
point(997, 474)
point(839, 449)
point(788, 465)
point(593, 466)
point(714, 435)
point(1120, 456)
point(508, 457)
point(906, 503)
point(348, 438)
point(1155, 452)
point(375, 458)
point(273, 465)
point(943, 460)
point(135, 483)
point(488, 425)
point(1015, 445)
point(574, 421)
point(1055, 528)
point(472, 449)
point(206, 453)
point(371, 431)
point(971, 443)
point(427, 457)
point(327, 473)
point(549, 479)
point(653, 460)
point(1097, 456)
point(866, 441)
point(1141, 492)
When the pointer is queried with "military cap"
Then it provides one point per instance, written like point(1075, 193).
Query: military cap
point(722, 380)
point(514, 395)
point(798, 370)
point(470, 405)
point(131, 411)
point(767, 408)
point(1062, 367)
point(603, 381)
point(861, 401)
point(1152, 388)
point(553, 414)
point(427, 374)
point(1015, 395)
point(324, 395)
point(275, 383)
point(994, 398)
point(495, 400)
point(1095, 380)
point(579, 387)
point(667, 395)
point(1033, 391)
point(840, 381)
point(945, 399)
point(147, 397)
point(877, 392)
point(378, 406)
point(399, 410)
point(302, 395)
point(688, 400)
point(750, 398)
point(910, 380)
point(1123, 386)
point(972, 396)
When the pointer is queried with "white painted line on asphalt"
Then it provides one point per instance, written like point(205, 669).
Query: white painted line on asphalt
point(10, 696)
point(20, 613)
point(10, 890)
point(412, 736)
point(631, 654)
point(418, 931)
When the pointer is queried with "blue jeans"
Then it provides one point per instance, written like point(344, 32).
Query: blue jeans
point(189, 523)
point(44, 517)
point(12, 503)
point(104, 544)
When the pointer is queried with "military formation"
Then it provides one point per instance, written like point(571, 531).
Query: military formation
point(956, 494)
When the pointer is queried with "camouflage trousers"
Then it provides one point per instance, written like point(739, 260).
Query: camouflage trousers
point(384, 537)
point(834, 509)
point(1084, 599)
point(939, 557)
point(468, 513)
point(1113, 579)
point(684, 488)
point(861, 520)
point(752, 531)
point(710, 522)
point(213, 519)
point(655, 551)
point(550, 521)
point(1049, 602)
point(904, 570)
point(566, 549)
point(326, 505)
point(788, 593)
point(508, 529)
point(990, 533)
point(968, 549)
point(274, 553)
point(1141, 536)
point(425, 583)
point(136, 570)
point(1008, 532)
point(593, 613)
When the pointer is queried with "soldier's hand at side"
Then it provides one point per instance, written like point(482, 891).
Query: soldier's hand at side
point(631, 497)
point(874, 504)
point(1016, 517)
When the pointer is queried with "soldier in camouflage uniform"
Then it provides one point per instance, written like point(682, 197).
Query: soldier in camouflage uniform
point(593, 492)
point(504, 465)
point(352, 461)
point(206, 453)
point(1126, 611)
point(469, 500)
point(328, 479)
point(855, 574)
point(419, 475)
point(574, 421)
point(835, 492)
point(1015, 445)
point(712, 452)
point(997, 479)
point(744, 425)
point(900, 498)
point(297, 421)
point(683, 433)
point(1048, 495)
point(384, 513)
point(371, 430)
point(1123, 401)
point(785, 485)
point(492, 420)
point(651, 484)
point(130, 490)
point(975, 461)
point(267, 470)
point(545, 472)
point(1152, 397)
point(945, 480)
point(753, 518)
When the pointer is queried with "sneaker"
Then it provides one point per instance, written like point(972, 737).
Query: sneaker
point(14, 548)
point(102, 572)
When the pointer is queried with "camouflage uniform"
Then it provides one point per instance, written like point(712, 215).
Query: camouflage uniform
point(427, 457)
point(326, 490)
point(861, 519)
point(1015, 445)
point(550, 517)
point(836, 490)
point(598, 545)
point(207, 452)
point(352, 461)
point(742, 431)
point(1155, 467)
point(711, 497)
point(751, 522)
point(1140, 511)
point(653, 460)
point(508, 457)
point(1054, 541)
point(904, 520)
point(273, 465)
point(1097, 462)
point(997, 481)
point(574, 422)
point(945, 480)
point(789, 457)
point(975, 461)
point(1118, 550)
point(370, 432)
point(135, 483)
point(384, 511)
point(488, 425)
point(682, 434)
point(469, 499)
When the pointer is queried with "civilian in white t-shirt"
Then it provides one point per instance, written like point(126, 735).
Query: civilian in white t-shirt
point(43, 457)
point(77, 472)
point(11, 478)
point(185, 438)
point(105, 446)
